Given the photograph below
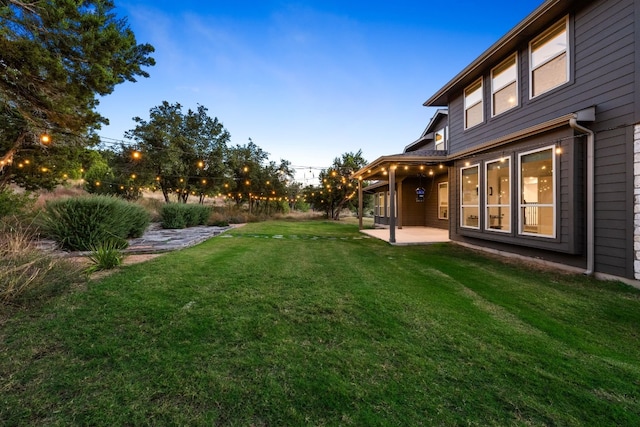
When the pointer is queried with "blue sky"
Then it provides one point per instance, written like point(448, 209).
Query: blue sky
point(307, 80)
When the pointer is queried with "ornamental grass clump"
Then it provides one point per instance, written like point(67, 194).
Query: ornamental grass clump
point(82, 223)
point(107, 255)
point(28, 274)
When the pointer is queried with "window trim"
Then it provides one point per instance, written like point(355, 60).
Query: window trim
point(379, 205)
point(440, 205)
point(462, 206)
point(444, 139)
point(564, 21)
point(554, 177)
point(513, 57)
point(481, 102)
point(486, 205)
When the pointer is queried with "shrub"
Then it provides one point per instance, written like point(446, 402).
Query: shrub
point(28, 274)
point(81, 223)
point(106, 255)
point(172, 216)
point(180, 215)
point(12, 203)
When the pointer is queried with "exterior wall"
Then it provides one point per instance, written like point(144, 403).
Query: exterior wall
point(422, 213)
point(603, 73)
point(569, 241)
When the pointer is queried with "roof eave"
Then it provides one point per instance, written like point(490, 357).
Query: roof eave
point(440, 97)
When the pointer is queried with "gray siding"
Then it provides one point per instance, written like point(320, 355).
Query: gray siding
point(603, 73)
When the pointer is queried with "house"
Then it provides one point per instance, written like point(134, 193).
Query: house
point(534, 148)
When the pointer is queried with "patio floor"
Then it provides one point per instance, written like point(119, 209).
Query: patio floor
point(411, 235)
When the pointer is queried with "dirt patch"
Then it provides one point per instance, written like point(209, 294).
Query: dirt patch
point(128, 260)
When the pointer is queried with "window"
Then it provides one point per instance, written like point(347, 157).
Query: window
point(443, 200)
point(379, 209)
point(504, 86)
point(498, 195)
point(388, 215)
point(473, 114)
point(440, 139)
point(537, 193)
point(549, 59)
point(469, 208)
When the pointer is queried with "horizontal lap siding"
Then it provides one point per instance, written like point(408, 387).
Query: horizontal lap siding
point(603, 74)
point(413, 213)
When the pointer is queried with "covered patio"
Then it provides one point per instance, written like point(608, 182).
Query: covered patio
point(410, 235)
point(391, 172)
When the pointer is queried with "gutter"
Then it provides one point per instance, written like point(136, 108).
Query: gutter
point(589, 115)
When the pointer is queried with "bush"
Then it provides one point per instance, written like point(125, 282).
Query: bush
point(28, 274)
point(12, 203)
point(81, 223)
point(180, 215)
point(106, 255)
point(172, 216)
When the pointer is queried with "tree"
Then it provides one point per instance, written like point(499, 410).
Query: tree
point(245, 164)
point(56, 57)
point(336, 191)
point(181, 153)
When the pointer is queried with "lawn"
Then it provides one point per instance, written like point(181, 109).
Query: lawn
point(310, 323)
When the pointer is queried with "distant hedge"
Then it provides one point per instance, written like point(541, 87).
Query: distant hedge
point(80, 223)
point(181, 215)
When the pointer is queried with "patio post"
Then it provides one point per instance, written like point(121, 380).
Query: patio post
point(400, 203)
point(392, 204)
point(360, 204)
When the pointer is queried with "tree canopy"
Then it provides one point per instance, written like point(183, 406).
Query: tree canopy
point(56, 57)
point(180, 152)
point(336, 191)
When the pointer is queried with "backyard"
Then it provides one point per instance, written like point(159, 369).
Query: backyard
point(312, 323)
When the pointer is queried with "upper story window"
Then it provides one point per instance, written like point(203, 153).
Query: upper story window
point(549, 61)
point(473, 105)
point(440, 139)
point(504, 86)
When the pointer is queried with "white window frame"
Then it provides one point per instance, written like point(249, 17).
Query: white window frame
point(443, 143)
point(481, 102)
point(443, 203)
point(554, 205)
point(563, 22)
point(495, 89)
point(506, 206)
point(462, 205)
point(388, 205)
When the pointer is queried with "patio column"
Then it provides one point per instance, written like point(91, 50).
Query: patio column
point(360, 204)
point(400, 203)
point(392, 204)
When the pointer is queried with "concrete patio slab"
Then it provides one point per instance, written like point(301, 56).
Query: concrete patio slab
point(411, 235)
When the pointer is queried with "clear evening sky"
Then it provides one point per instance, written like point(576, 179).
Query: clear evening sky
point(307, 80)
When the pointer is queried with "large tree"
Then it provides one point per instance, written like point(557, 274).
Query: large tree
point(336, 190)
point(56, 57)
point(182, 153)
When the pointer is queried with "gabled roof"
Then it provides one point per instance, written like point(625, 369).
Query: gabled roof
point(545, 14)
point(428, 131)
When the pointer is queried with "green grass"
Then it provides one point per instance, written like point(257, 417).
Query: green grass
point(310, 323)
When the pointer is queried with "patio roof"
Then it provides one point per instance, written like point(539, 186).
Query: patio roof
point(425, 161)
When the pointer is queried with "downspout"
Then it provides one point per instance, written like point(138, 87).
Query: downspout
point(590, 192)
